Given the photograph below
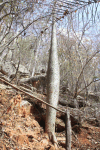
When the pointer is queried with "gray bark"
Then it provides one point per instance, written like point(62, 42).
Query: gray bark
point(53, 78)
point(68, 130)
point(35, 56)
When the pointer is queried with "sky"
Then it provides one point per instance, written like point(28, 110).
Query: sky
point(88, 17)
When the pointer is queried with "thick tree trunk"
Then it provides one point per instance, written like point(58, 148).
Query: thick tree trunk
point(53, 78)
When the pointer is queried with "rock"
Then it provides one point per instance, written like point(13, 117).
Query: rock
point(74, 103)
point(24, 103)
point(80, 97)
point(94, 122)
point(76, 116)
point(39, 82)
point(63, 102)
point(60, 125)
point(22, 69)
point(69, 103)
point(93, 96)
point(7, 68)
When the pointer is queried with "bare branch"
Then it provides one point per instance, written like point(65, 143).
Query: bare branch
point(89, 85)
point(83, 70)
point(27, 26)
point(2, 5)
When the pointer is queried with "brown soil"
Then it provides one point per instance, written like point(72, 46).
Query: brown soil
point(20, 131)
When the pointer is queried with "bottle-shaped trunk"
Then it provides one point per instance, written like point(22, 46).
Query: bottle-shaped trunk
point(53, 78)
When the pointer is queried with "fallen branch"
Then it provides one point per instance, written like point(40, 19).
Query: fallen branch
point(33, 96)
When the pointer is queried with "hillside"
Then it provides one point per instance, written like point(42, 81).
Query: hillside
point(21, 127)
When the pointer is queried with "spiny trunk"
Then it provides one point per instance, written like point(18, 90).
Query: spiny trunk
point(53, 78)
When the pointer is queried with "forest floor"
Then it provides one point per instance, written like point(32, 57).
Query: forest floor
point(19, 129)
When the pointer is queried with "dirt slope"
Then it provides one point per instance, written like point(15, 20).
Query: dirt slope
point(19, 129)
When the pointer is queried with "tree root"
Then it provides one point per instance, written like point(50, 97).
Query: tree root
point(52, 138)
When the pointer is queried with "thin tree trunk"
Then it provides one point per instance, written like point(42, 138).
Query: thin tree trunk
point(68, 130)
point(35, 56)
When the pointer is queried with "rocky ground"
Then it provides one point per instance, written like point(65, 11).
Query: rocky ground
point(21, 127)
